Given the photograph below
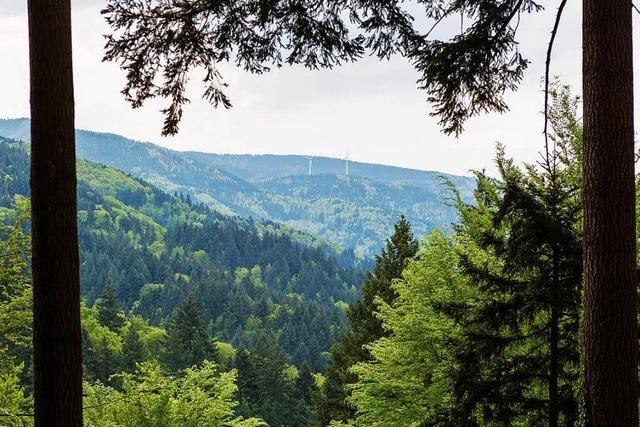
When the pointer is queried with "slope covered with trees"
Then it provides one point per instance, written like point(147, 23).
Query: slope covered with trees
point(134, 372)
point(155, 249)
point(356, 211)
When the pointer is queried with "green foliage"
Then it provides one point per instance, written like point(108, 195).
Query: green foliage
point(155, 249)
point(408, 382)
point(158, 44)
point(133, 350)
point(305, 389)
point(13, 158)
point(152, 337)
point(15, 403)
point(356, 212)
point(264, 386)
point(273, 390)
point(188, 342)
point(226, 355)
point(15, 285)
point(15, 314)
point(102, 347)
point(364, 325)
point(520, 244)
point(109, 313)
point(149, 398)
point(115, 344)
point(485, 327)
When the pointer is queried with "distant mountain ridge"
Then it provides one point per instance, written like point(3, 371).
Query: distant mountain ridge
point(259, 167)
point(355, 211)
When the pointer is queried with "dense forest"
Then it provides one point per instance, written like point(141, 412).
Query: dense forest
point(523, 312)
point(198, 314)
point(355, 211)
point(225, 287)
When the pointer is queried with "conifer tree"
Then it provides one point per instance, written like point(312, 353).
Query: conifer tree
point(15, 287)
point(248, 392)
point(364, 326)
point(105, 363)
point(275, 396)
point(88, 356)
point(133, 350)
point(264, 391)
point(188, 342)
point(109, 312)
point(520, 245)
point(305, 388)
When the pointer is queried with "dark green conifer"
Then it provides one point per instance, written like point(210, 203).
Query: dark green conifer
point(88, 356)
point(519, 361)
point(264, 390)
point(109, 312)
point(133, 350)
point(188, 342)
point(305, 389)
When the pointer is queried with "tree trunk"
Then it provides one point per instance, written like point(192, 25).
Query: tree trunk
point(57, 350)
point(610, 323)
point(553, 369)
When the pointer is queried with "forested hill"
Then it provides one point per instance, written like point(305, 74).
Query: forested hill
point(356, 211)
point(248, 277)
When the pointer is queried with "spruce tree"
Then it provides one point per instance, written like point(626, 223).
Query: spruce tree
point(88, 356)
point(109, 312)
point(364, 326)
point(520, 247)
point(99, 359)
point(247, 390)
point(188, 342)
point(105, 361)
point(305, 388)
point(133, 350)
point(264, 391)
point(275, 395)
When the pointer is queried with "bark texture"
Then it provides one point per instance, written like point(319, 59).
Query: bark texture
point(57, 350)
point(610, 323)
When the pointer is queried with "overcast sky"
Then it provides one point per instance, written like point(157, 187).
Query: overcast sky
point(370, 109)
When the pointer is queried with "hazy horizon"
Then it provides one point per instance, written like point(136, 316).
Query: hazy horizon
point(296, 154)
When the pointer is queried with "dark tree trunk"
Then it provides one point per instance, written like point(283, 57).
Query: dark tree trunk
point(57, 350)
point(610, 323)
point(553, 369)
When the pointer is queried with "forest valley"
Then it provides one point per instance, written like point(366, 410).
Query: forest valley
point(191, 317)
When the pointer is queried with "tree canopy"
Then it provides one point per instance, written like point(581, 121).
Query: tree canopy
point(160, 42)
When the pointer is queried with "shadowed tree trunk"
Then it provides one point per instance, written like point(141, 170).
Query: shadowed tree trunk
point(57, 350)
point(610, 323)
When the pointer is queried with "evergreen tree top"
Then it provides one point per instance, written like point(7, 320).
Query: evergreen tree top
point(109, 311)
